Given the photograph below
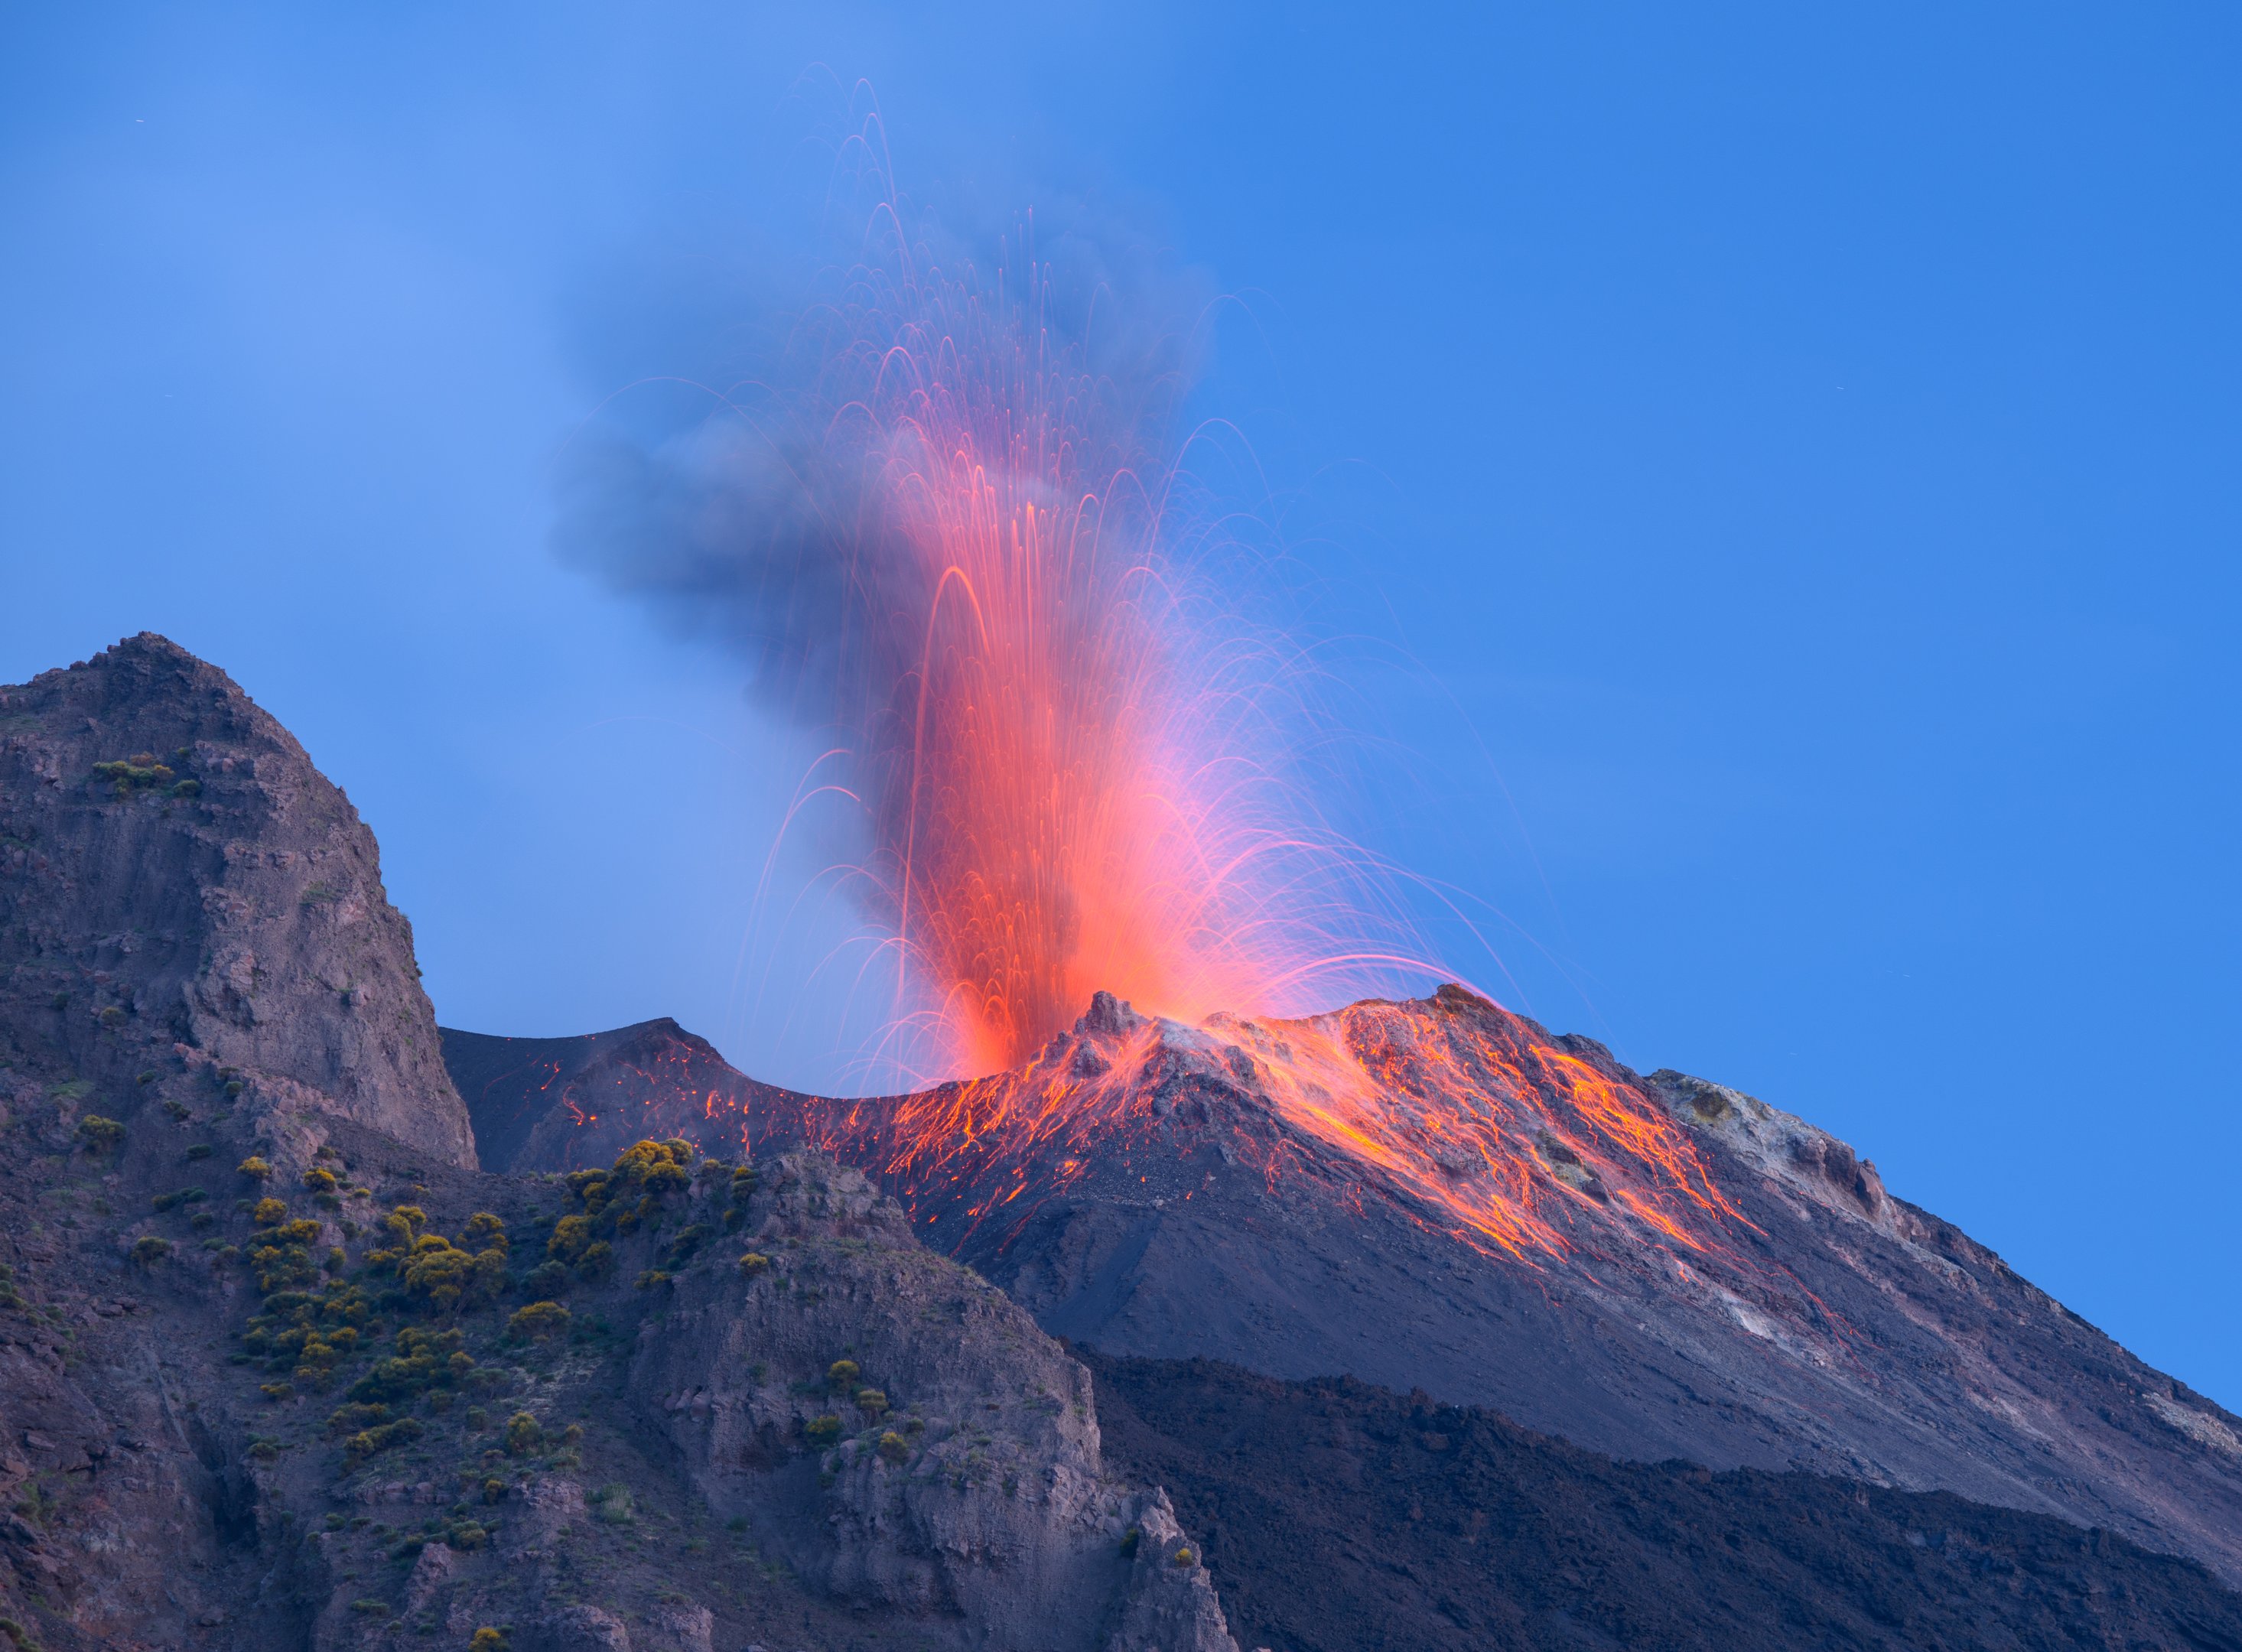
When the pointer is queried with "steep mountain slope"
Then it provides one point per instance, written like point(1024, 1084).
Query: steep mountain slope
point(1438, 1195)
point(1343, 1518)
point(280, 1369)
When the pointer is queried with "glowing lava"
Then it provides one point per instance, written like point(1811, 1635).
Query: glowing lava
point(1450, 1106)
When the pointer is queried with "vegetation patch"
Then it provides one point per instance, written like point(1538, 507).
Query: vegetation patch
point(440, 1274)
point(618, 1201)
point(424, 1360)
point(143, 771)
point(99, 1135)
point(612, 1504)
point(371, 1441)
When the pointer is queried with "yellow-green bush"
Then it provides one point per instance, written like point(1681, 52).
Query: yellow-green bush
point(98, 1134)
point(537, 1322)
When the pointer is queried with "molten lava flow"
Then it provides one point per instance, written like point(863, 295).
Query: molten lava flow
point(1450, 1107)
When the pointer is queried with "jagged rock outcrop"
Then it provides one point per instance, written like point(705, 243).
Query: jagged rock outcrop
point(953, 1468)
point(174, 870)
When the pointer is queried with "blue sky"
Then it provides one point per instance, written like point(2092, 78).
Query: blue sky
point(1795, 456)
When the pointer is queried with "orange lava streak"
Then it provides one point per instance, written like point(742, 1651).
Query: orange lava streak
point(1452, 1106)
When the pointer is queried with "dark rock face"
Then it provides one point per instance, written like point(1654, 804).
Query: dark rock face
point(965, 1478)
point(1339, 1516)
point(1150, 1190)
point(174, 870)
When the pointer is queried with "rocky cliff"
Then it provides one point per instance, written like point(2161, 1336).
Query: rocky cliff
point(174, 871)
point(281, 1368)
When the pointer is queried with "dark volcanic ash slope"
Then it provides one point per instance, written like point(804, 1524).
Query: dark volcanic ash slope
point(562, 1104)
point(279, 1369)
point(1342, 1518)
point(1143, 1188)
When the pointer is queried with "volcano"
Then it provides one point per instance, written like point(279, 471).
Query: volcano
point(1438, 1195)
point(303, 1342)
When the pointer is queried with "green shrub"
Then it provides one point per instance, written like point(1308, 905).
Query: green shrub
point(348, 1420)
point(98, 1134)
point(537, 1322)
point(149, 1247)
point(483, 1231)
point(368, 1442)
point(618, 1200)
point(840, 1375)
point(200, 1149)
point(368, 1605)
point(571, 1235)
point(424, 1360)
point(872, 1402)
point(141, 772)
point(613, 1504)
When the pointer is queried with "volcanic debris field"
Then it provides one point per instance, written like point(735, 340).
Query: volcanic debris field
point(304, 1345)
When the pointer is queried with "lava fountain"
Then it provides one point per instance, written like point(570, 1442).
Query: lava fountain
point(976, 558)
